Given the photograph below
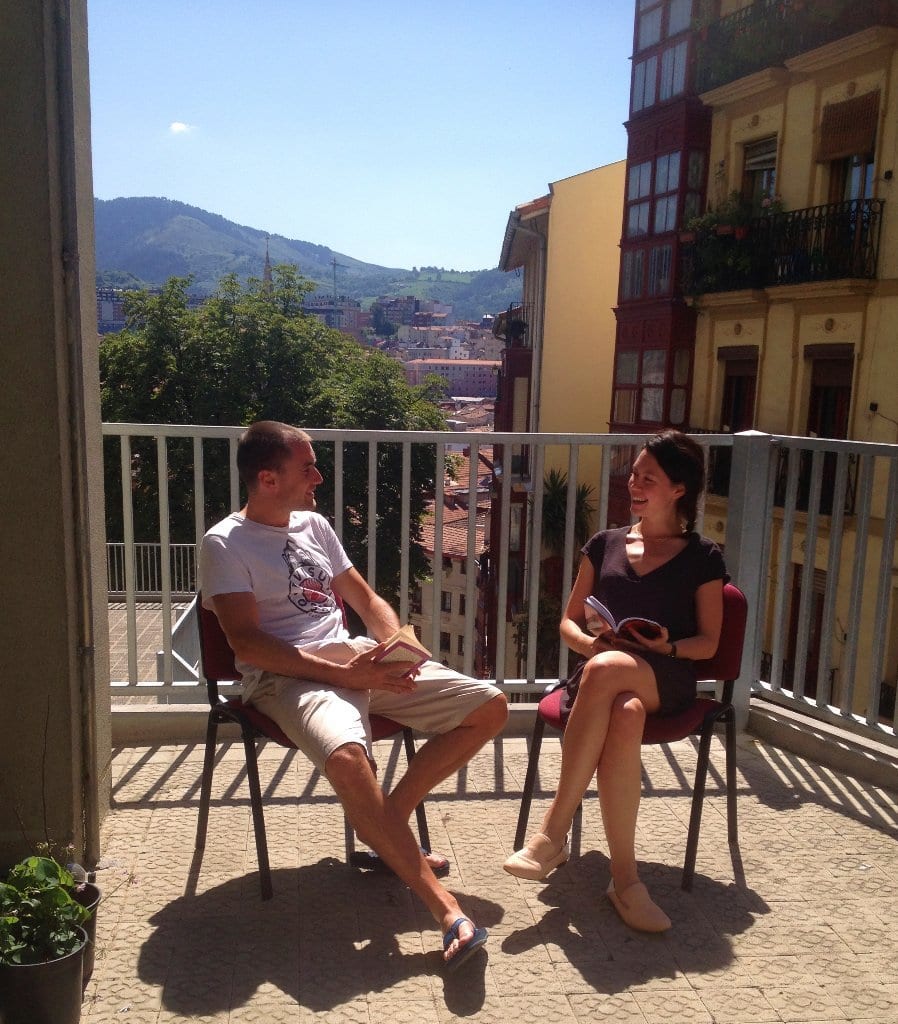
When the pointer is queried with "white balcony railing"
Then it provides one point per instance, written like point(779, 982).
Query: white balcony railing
point(823, 625)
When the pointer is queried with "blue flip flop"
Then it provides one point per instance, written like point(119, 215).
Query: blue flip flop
point(469, 948)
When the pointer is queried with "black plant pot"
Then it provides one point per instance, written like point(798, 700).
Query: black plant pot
point(48, 993)
point(88, 895)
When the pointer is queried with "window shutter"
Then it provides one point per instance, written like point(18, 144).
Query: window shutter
point(848, 128)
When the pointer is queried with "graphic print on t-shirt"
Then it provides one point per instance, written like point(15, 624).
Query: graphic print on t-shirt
point(310, 584)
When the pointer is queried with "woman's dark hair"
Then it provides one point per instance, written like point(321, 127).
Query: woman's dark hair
point(683, 460)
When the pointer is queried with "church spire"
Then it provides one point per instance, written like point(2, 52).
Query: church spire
point(266, 272)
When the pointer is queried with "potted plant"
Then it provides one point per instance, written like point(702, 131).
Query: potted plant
point(42, 944)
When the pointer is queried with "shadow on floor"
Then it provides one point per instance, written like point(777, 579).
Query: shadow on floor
point(330, 936)
point(611, 957)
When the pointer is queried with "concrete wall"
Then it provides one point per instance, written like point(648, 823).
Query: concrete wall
point(54, 759)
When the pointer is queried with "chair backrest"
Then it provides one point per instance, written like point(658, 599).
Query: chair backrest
point(727, 662)
point(216, 656)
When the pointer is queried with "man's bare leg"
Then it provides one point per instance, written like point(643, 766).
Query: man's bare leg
point(443, 755)
point(382, 827)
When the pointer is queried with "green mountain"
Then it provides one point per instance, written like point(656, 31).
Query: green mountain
point(144, 241)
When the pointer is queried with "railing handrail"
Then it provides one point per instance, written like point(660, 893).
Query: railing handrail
point(762, 550)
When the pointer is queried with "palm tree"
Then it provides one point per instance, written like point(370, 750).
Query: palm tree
point(555, 512)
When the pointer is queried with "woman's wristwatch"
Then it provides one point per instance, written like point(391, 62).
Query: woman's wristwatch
point(672, 653)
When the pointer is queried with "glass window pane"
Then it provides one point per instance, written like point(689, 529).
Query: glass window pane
point(673, 172)
point(652, 405)
point(679, 79)
point(638, 220)
point(649, 29)
point(681, 361)
point(627, 367)
point(654, 363)
point(677, 405)
point(680, 15)
point(631, 287)
point(696, 171)
point(639, 180)
point(624, 406)
point(665, 214)
point(659, 270)
point(638, 85)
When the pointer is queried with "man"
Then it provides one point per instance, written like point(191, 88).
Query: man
point(270, 573)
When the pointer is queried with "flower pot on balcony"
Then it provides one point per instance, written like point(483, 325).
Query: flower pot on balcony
point(724, 229)
point(42, 944)
point(88, 895)
point(687, 237)
point(44, 993)
point(741, 231)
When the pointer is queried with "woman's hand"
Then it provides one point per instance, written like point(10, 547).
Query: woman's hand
point(658, 643)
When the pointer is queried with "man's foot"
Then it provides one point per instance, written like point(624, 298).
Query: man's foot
point(461, 942)
point(537, 859)
point(369, 861)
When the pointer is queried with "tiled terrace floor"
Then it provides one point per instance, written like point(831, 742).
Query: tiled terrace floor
point(799, 926)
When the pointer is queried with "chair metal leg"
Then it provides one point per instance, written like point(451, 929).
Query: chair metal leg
point(536, 742)
point(408, 739)
point(255, 798)
point(698, 797)
point(202, 822)
point(732, 822)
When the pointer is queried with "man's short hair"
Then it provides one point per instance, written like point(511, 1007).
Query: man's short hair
point(265, 445)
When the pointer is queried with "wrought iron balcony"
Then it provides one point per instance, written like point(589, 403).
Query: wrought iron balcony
point(765, 35)
point(820, 243)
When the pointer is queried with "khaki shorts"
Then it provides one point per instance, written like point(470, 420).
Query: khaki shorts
point(319, 719)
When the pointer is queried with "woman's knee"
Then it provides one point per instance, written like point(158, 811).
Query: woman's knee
point(628, 715)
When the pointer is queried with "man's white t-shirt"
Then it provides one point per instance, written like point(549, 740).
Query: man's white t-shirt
point(288, 569)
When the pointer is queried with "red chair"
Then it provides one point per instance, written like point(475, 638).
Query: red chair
point(217, 662)
point(698, 719)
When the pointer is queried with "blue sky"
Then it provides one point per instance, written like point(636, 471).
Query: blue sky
point(400, 133)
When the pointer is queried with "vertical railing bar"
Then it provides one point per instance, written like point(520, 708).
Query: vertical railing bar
point(199, 492)
point(439, 474)
point(784, 564)
point(372, 512)
point(405, 531)
point(472, 554)
point(806, 600)
point(502, 598)
point(824, 671)
point(233, 476)
point(604, 485)
point(883, 594)
point(573, 468)
point(164, 556)
point(129, 555)
point(855, 606)
point(338, 489)
point(534, 549)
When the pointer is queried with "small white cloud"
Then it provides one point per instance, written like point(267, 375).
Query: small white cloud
point(180, 128)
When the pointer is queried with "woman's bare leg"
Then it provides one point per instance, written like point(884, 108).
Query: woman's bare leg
point(619, 779)
point(605, 677)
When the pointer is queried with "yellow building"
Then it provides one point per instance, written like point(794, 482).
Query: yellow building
point(567, 245)
point(795, 265)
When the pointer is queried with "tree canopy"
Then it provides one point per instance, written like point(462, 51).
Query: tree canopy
point(250, 353)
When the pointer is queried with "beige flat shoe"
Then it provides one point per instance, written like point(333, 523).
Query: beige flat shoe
point(636, 908)
point(537, 859)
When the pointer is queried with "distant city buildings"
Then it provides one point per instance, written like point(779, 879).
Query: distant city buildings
point(473, 377)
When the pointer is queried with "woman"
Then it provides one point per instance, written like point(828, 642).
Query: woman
point(658, 569)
